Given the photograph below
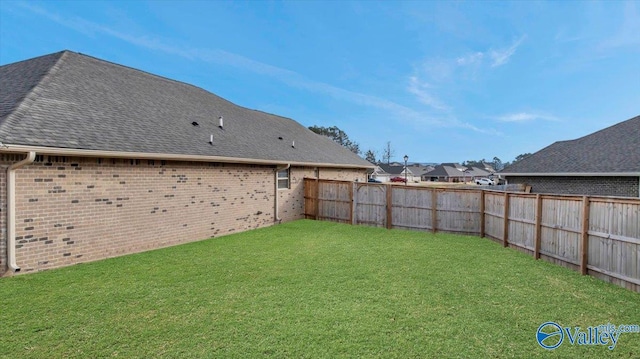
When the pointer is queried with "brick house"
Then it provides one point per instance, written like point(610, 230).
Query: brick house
point(101, 160)
point(604, 163)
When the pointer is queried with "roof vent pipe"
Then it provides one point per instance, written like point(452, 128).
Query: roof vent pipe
point(293, 144)
point(220, 122)
point(211, 139)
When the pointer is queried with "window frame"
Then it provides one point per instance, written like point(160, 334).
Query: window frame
point(283, 179)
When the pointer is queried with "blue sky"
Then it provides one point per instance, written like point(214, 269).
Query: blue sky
point(443, 81)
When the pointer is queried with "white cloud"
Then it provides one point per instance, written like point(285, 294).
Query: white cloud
point(291, 78)
point(471, 59)
point(628, 32)
point(563, 37)
point(524, 117)
point(420, 90)
point(502, 56)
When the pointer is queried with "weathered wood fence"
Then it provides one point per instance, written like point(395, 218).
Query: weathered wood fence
point(599, 236)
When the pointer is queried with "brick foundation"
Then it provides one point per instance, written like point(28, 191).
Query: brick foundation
point(592, 186)
point(72, 210)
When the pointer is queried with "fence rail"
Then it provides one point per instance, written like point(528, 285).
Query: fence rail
point(599, 236)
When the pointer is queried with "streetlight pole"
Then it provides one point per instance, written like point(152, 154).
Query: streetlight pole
point(406, 158)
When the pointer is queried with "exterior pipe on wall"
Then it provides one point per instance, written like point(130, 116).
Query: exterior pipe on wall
point(11, 209)
point(278, 169)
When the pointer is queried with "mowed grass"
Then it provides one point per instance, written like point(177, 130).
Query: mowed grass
point(311, 289)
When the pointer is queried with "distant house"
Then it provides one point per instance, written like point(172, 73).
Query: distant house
point(454, 172)
point(100, 160)
point(477, 172)
point(488, 167)
point(606, 163)
point(391, 171)
point(384, 172)
point(418, 169)
point(379, 174)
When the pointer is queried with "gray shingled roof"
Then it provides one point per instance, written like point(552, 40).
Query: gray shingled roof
point(447, 170)
point(392, 170)
point(70, 100)
point(615, 149)
point(477, 172)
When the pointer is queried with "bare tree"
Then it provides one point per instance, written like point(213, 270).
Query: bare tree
point(387, 153)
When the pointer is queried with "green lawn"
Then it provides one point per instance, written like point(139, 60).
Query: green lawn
point(311, 289)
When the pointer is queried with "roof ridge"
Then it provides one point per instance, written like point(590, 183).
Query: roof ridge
point(33, 93)
point(604, 129)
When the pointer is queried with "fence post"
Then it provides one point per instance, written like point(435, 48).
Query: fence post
point(481, 213)
point(353, 202)
point(318, 197)
point(389, 205)
point(505, 229)
point(584, 248)
point(538, 237)
point(434, 210)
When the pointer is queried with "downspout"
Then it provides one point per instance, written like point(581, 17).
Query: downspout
point(278, 169)
point(11, 209)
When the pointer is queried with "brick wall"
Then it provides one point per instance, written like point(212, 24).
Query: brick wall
point(72, 210)
point(594, 186)
point(292, 200)
point(343, 174)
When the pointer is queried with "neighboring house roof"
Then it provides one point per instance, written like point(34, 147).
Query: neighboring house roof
point(395, 170)
point(613, 150)
point(456, 170)
point(376, 171)
point(456, 166)
point(488, 167)
point(420, 169)
point(447, 170)
point(67, 100)
point(478, 172)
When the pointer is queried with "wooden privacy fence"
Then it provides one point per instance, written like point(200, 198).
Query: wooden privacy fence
point(599, 236)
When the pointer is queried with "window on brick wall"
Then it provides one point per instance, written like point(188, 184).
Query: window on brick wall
point(283, 179)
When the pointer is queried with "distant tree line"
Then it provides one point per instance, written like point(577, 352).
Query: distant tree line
point(496, 163)
point(340, 137)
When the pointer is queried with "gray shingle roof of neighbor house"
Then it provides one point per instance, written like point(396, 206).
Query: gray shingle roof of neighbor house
point(68, 100)
point(478, 172)
point(399, 169)
point(419, 170)
point(613, 150)
point(390, 169)
point(447, 170)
